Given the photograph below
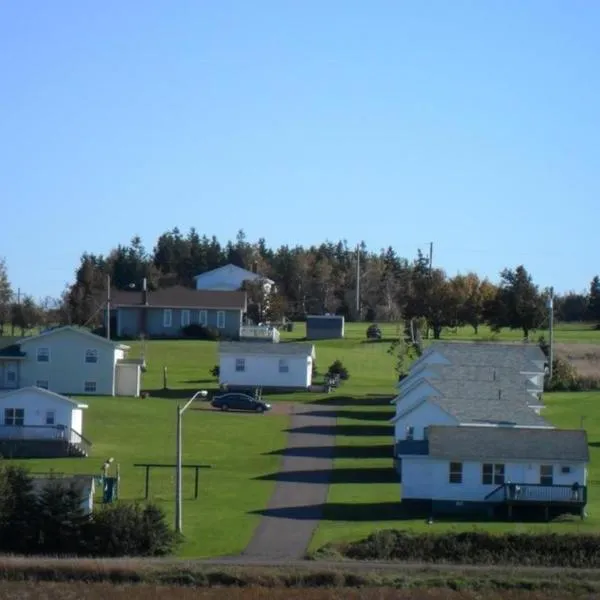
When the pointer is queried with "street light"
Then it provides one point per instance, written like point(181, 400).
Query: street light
point(180, 411)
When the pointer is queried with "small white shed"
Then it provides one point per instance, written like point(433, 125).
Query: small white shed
point(257, 364)
point(38, 414)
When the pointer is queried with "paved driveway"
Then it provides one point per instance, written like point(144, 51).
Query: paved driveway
point(296, 505)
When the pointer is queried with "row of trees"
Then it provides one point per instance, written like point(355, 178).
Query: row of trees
point(310, 280)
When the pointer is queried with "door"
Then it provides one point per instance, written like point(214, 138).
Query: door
point(10, 375)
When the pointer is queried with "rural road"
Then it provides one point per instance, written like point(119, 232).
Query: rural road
point(286, 535)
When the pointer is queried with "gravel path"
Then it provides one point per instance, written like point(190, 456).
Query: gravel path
point(295, 508)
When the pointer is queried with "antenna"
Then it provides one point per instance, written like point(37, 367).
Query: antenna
point(108, 307)
point(550, 333)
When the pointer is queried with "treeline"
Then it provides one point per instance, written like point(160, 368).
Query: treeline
point(310, 280)
point(51, 521)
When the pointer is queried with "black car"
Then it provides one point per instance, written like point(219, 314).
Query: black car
point(237, 401)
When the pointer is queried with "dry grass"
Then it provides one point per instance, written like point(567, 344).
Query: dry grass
point(584, 357)
point(81, 591)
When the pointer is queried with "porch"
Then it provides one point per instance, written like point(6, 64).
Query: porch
point(42, 441)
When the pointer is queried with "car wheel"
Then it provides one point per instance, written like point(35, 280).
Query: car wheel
point(225, 407)
point(260, 409)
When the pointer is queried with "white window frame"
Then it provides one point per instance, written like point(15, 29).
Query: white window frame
point(42, 384)
point(496, 474)
point(90, 387)
point(203, 317)
point(91, 353)
point(240, 365)
point(43, 352)
point(50, 416)
point(284, 366)
point(13, 417)
point(167, 317)
point(220, 319)
point(185, 317)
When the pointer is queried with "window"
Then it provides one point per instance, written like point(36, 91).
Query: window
point(43, 355)
point(42, 383)
point(546, 475)
point(91, 356)
point(455, 475)
point(565, 470)
point(410, 432)
point(11, 376)
point(50, 417)
point(283, 366)
point(185, 318)
point(221, 319)
point(14, 416)
point(492, 474)
point(240, 365)
point(203, 318)
point(89, 387)
point(167, 317)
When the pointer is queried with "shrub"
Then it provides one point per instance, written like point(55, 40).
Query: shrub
point(338, 368)
point(215, 371)
point(373, 332)
point(477, 547)
point(200, 332)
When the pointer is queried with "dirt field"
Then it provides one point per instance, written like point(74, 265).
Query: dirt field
point(82, 591)
point(584, 357)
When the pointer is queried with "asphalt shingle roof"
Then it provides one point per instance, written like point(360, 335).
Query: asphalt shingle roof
point(282, 348)
point(484, 373)
point(473, 391)
point(181, 297)
point(506, 443)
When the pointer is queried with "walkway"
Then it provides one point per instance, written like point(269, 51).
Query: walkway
point(295, 508)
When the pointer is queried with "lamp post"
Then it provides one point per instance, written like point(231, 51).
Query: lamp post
point(180, 411)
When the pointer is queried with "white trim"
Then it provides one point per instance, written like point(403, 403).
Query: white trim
point(167, 317)
point(185, 317)
point(46, 353)
point(203, 317)
point(221, 320)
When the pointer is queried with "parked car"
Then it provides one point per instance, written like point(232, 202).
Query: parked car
point(237, 401)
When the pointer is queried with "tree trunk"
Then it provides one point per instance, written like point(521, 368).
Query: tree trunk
point(437, 331)
point(475, 329)
point(525, 332)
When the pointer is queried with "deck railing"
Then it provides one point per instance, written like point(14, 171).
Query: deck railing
point(539, 493)
point(259, 332)
point(44, 432)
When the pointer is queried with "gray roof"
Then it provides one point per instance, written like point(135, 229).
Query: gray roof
point(477, 409)
point(479, 390)
point(511, 356)
point(482, 373)
point(279, 349)
point(506, 443)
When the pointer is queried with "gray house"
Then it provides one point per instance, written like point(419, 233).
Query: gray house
point(165, 312)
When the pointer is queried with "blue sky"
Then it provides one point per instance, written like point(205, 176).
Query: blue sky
point(474, 125)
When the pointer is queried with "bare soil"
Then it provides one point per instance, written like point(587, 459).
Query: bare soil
point(584, 357)
point(100, 591)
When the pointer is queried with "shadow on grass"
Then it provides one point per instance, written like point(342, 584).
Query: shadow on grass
point(359, 415)
point(375, 511)
point(212, 381)
point(349, 475)
point(177, 393)
point(371, 400)
point(383, 340)
point(375, 451)
point(349, 430)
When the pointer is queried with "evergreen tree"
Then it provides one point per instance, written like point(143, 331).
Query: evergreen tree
point(594, 300)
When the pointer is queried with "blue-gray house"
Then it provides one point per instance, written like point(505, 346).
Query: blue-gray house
point(165, 312)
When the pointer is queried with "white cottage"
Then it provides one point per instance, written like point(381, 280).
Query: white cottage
point(257, 364)
point(470, 468)
point(230, 278)
point(34, 414)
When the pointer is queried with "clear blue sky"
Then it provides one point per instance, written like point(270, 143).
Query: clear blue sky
point(474, 125)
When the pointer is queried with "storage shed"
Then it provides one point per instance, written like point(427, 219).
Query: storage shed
point(324, 327)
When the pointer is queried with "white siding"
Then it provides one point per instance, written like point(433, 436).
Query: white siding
point(67, 371)
point(421, 417)
point(420, 390)
point(425, 478)
point(263, 370)
point(36, 405)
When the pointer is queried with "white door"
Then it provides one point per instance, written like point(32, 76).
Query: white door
point(10, 375)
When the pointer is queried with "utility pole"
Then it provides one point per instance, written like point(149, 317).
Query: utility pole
point(108, 307)
point(551, 332)
point(358, 282)
point(178, 466)
point(430, 257)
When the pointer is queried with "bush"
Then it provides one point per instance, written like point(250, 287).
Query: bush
point(338, 368)
point(374, 332)
point(215, 371)
point(196, 331)
point(477, 547)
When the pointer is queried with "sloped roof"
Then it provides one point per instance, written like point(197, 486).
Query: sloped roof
point(505, 443)
point(41, 392)
point(78, 330)
point(234, 268)
point(256, 348)
point(181, 297)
